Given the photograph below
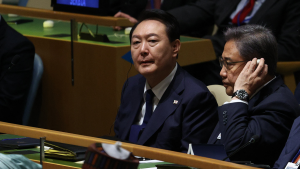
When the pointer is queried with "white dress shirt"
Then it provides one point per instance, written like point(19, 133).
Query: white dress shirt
point(158, 91)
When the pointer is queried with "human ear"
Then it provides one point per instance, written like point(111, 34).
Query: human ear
point(176, 44)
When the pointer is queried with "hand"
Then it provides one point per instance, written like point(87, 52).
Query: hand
point(251, 78)
point(124, 15)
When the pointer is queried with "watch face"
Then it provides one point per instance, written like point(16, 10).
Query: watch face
point(242, 94)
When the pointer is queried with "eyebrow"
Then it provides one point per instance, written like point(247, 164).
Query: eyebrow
point(148, 35)
point(227, 58)
point(135, 36)
point(152, 34)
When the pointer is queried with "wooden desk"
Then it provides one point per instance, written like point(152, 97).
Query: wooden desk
point(49, 14)
point(90, 106)
point(154, 153)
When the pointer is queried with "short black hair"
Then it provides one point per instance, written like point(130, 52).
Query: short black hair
point(255, 41)
point(171, 23)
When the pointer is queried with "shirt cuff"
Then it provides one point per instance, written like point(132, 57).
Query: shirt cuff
point(237, 101)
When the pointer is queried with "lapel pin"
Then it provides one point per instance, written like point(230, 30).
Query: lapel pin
point(175, 102)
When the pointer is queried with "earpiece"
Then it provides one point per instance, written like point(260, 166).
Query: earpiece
point(257, 61)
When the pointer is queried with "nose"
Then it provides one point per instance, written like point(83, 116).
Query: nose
point(223, 72)
point(144, 49)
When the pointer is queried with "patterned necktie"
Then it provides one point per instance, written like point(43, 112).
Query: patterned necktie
point(240, 16)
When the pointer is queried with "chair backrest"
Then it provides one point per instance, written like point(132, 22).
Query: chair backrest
point(38, 70)
point(219, 93)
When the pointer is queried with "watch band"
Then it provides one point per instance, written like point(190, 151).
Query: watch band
point(241, 94)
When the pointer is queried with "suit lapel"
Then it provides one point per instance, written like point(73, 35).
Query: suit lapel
point(265, 92)
point(262, 10)
point(165, 106)
point(228, 8)
point(214, 135)
point(136, 97)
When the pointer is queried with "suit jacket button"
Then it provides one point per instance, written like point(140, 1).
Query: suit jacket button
point(224, 112)
point(225, 122)
point(225, 115)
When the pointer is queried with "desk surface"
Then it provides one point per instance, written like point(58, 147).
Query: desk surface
point(36, 156)
point(43, 13)
point(35, 28)
point(148, 152)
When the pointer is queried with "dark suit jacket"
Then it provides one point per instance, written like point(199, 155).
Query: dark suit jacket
point(172, 126)
point(130, 7)
point(281, 16)
point(269, 114)
point(291, 147)
point(135, 7)
point(15, 83)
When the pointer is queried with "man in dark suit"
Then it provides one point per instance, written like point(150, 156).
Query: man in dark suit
point(131, 9)
point(282, 17)
point(182, 110)
point(134, 8)
point(290, 152)
point(261, 104)
point(16, 52)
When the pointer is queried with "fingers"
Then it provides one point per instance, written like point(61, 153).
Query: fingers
point(246, 67)
point(261, 70)
point(119, 14)
point(117, 28)
point(252, 68)
point(254, 71)
point(264, 71)
point(258, 68)
point(123, 15)
point(252, 76)
point(133, 20)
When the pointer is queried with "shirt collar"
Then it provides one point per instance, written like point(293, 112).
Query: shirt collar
point(261, 88)
point(162, 86)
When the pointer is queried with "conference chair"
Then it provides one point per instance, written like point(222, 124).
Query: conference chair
point(219, 93)
point(38, 70)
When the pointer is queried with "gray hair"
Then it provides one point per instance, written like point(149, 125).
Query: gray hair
point(255, 41)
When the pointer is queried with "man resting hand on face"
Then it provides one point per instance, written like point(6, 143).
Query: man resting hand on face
point(261, 103)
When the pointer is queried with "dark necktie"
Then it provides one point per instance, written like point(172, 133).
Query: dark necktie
point(149, 105)
point(240, 16)
point(136, 130)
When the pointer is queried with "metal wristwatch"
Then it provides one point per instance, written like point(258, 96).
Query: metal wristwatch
point(241, 94)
